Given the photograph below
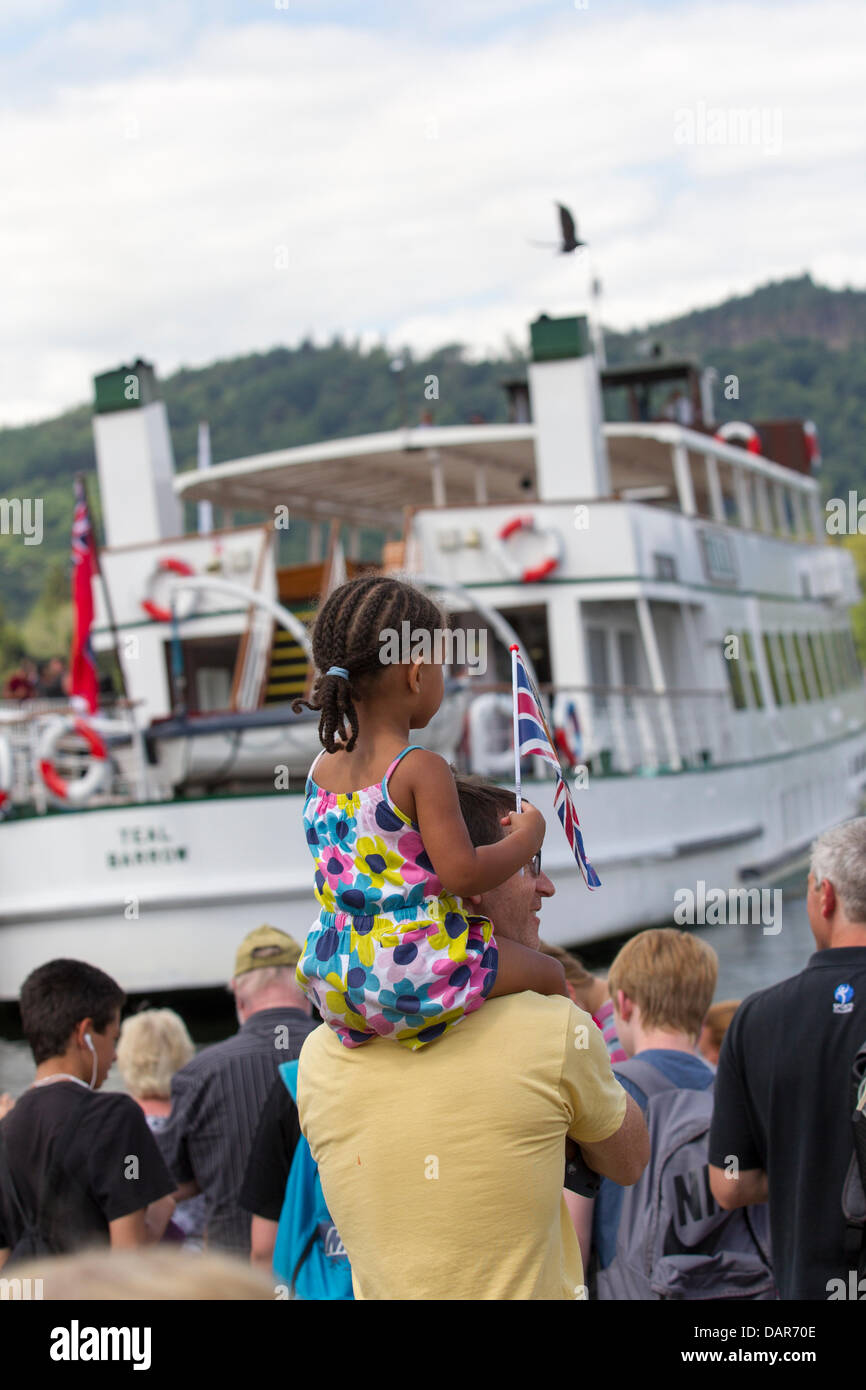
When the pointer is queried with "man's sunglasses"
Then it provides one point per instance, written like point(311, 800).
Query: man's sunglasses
point(534, 865)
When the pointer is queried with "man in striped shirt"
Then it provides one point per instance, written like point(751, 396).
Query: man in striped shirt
point(217, 1097)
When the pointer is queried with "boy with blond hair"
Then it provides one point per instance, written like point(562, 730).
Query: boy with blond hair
point(662, 984)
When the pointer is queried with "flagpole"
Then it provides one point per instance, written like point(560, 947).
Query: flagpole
point(514, 650)
point(109, 610)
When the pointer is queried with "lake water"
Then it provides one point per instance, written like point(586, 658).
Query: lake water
point(749, 959)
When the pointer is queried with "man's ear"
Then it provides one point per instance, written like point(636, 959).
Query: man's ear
point(828, 898)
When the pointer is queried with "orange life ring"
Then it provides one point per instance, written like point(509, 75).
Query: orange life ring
point(546, 566)
point(160, 614)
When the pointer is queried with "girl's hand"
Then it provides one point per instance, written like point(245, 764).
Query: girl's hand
point(529, 822)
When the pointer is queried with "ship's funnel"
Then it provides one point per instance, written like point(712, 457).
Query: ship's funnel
point(134, 458)
point(570, 454)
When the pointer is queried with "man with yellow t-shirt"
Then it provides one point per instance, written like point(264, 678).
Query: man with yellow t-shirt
point(443, 1168)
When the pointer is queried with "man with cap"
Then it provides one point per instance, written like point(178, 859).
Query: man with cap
point(217, 1097)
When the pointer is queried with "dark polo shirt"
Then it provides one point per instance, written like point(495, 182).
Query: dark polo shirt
point(782, 1103)
point(216, 1102)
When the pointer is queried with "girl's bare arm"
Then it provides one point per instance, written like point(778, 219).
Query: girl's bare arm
point(520, 968)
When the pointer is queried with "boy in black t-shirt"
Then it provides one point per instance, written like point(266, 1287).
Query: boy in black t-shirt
point(76, 1168)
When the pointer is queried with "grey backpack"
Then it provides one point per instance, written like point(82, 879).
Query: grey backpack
point(674, 1240)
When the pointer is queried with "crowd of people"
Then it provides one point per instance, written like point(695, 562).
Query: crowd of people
point(44, 680)
point(472, 1114)
point(195, 1158)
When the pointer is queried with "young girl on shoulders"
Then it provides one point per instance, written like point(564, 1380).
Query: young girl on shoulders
point(396, 951)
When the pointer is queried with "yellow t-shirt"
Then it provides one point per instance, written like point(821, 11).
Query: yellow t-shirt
point(443, 1169)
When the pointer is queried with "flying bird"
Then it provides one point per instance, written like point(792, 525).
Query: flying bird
point(570, 241)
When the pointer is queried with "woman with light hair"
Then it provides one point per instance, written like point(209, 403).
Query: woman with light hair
point(153, 1045)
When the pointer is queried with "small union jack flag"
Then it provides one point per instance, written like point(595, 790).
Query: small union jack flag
point(534, 739)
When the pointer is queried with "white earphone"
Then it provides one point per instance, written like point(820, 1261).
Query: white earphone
point(89, 1044)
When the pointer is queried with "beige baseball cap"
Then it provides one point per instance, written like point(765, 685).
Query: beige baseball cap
point(266, 946)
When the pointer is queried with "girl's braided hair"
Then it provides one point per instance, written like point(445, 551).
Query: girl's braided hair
point(348, 633)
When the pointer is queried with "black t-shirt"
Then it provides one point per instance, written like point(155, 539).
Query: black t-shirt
point(96, 1152)
point(782, 1103)
point(279, 1130)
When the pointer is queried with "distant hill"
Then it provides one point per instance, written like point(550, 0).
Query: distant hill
point(797, 348)
point(784, 309)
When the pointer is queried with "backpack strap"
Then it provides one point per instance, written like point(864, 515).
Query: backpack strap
point(289, 1077)
point(32, 1225)
point(651, 1080)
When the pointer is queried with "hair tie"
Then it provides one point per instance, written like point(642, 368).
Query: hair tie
point(337, 671)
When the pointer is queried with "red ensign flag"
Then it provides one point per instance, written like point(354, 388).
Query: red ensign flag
point(82, 666)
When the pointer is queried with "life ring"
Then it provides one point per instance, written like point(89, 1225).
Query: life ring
point(185, 604)
point(490, 717)
point(6, 776)
point(94, 778)
point(735, 431)
point(544, 567)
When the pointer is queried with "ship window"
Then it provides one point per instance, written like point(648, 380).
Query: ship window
point(770, 658)
point(530, 624)
point(788, 659)
point(735, 679)
point(830, 662)
point(208, 668)
point(599, 668)
point(628, 658)
point(628, 665)
point(665, 566)
point(753, 670)
point(802, 662)
point(853, 659)
point(823, 687)
point(844, 658)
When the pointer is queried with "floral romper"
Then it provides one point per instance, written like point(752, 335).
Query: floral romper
point(390, 953)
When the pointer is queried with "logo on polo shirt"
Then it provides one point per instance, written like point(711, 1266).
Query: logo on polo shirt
point(843, 999)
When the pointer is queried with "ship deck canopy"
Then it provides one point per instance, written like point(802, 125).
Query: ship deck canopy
point(373, 478)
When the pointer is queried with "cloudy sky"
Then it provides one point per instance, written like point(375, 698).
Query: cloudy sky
point(192, 179)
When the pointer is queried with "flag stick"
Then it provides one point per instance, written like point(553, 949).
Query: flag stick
point(514, 650)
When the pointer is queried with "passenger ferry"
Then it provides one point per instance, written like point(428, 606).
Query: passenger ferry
point(671, 584)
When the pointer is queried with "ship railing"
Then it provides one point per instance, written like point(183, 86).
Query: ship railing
point(619, 730)
point(627, 730)
point(25, 724)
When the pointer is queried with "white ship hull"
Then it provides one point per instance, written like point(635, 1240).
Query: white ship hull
point(159, 895)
